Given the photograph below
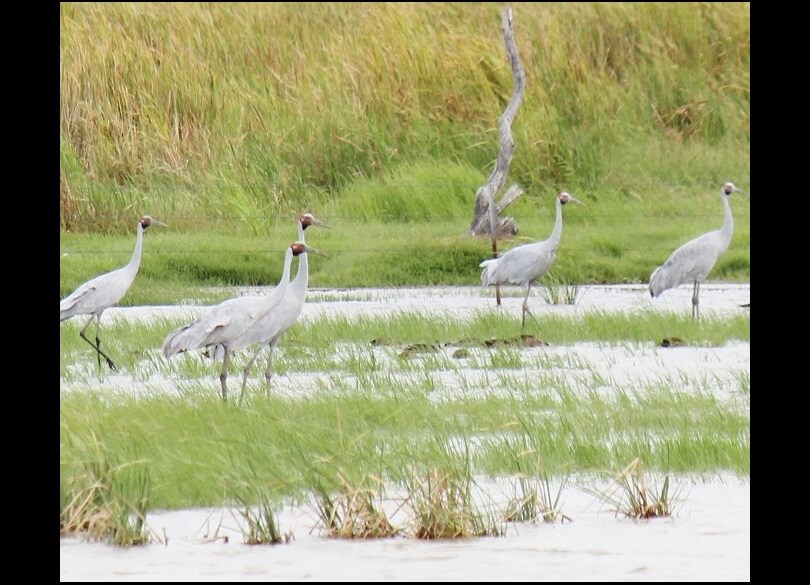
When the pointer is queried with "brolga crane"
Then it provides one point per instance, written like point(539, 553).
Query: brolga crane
point(230, 319)
point(269, 330)
point(693, 261)
point(306, 220)
point(272, 326)
point(526, 263)
point(105, 290)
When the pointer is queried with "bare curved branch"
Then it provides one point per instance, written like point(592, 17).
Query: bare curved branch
point(485, 211)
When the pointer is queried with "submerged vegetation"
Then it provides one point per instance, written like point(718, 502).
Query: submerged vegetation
point(343, 404)
point(350, 421)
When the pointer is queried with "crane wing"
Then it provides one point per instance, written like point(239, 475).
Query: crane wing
point(95, 295)
point(73, 299)
point(518, 265)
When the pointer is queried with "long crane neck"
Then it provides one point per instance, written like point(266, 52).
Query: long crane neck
point(554, 238)
point(302, 277)
point(285, 272)
point(135, 260)
point(303, 266)
point(728, 220)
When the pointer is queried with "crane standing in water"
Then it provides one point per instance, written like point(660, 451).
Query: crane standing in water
point(526, 263)
point(692, 262)
point(102, 292)
point(269, 329)
point(225, 322)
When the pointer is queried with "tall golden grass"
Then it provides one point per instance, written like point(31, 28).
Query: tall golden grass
point(250, 108)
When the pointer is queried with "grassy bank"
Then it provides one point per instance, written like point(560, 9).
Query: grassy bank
point(226, 121)
point(601, 243)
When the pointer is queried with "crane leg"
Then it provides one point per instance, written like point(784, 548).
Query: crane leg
point(97, 344)
point(223, 376)
point(247, 371)
point(695, 301)
point(526, 310)
point(268, 372)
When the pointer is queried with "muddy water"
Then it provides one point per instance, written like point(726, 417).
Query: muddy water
point(707, 538)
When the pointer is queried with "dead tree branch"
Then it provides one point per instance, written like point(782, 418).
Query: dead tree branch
point(485, 211)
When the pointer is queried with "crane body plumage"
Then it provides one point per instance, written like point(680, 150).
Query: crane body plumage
point(527, 263)
point(225, 321)
point(269, 329)
point(105, 290)
point(692, 262)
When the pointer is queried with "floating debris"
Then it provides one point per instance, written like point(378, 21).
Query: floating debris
point(532, 341)
point(416, 348)
point(525, 340)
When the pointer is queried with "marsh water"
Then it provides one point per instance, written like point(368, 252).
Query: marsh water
point(707, 537)
point(465, 301)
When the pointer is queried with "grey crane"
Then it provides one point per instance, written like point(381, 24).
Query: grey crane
point(269, 330)
point(230, 319)
point(105, 290)
point(692, 262)
point(306, 220)
point(272, 326)
point(526, 263)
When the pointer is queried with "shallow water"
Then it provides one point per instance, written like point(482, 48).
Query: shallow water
point(707, 538)
point(468, 301)
point(629, 366)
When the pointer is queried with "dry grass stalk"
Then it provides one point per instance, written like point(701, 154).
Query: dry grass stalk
point(353, 513)
point(443, 507)
point(93, 512)
point(533, 501)
point(633, 498)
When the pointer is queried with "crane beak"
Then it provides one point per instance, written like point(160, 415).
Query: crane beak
point(319, 223)
point(310, 250)
point(575, 200)
point(158, 222)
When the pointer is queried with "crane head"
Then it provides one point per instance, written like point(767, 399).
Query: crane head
point(307, 219)
point(299, 248)
point(729, 188)
point(146, 221)
point(565, 197)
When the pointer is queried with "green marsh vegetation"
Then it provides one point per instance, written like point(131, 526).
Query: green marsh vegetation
point(533, 498)
point(343, 403)
point(258, 515)
point(102, 499)
point(310, 344)
point(226, 121)
point(382, 119)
